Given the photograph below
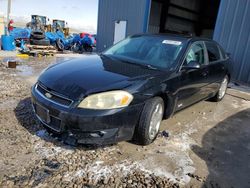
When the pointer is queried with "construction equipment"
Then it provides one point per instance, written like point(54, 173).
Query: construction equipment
point(38, 26)
point(39, 23)
point(60, 25)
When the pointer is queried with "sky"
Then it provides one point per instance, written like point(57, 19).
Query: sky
point(80, 15)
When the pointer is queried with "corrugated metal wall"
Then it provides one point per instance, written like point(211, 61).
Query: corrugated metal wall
point(133, 11)
point(232, 31)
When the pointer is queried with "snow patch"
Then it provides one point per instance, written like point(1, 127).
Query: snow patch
point(175, 163)
point(43, 134)
point(50, 151)
point(99, 170)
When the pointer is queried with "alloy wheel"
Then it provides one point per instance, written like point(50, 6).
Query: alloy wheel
point(155, 121)
point(223, 88)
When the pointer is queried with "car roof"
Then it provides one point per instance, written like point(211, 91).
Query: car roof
point(182, 37)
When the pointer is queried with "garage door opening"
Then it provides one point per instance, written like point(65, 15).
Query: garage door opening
point(196, 17)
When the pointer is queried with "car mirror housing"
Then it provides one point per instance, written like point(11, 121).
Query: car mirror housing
point(192, 65)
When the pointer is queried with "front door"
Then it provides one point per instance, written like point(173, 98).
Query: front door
point(192, 82)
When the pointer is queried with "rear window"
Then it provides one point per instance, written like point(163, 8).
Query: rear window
point(213, 52)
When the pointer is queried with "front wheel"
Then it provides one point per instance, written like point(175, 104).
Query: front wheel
point(150, 120)
point(222, 90)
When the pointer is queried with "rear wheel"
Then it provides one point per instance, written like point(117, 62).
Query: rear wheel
point(222, 90)
point(150, 120)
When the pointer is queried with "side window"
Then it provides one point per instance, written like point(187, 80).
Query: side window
point(223, 54)
point(196, 53)
point(213, 52)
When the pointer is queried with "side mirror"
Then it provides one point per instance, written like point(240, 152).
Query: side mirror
point(192, 65)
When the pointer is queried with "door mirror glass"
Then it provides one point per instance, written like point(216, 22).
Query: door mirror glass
point(192, 65)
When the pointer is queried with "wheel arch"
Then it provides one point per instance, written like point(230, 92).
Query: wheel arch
point(169, 104)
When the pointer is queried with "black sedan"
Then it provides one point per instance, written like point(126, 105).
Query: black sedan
point(126, 91)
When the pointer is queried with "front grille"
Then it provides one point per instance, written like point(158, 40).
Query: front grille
point(57, 98)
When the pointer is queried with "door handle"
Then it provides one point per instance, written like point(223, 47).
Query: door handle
point(204, 73)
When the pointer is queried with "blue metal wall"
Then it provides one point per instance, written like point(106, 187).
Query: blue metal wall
point(135, 12)
point(232, 31)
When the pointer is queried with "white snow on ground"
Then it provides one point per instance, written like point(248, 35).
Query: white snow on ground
point(177, 155)
point(43, 134)
point(99, 170)
point(160, 164)
point(45, 151)
point(242, 104)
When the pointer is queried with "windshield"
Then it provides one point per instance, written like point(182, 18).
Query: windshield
point(147, 50)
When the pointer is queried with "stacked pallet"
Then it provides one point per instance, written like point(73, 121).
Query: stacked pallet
point(38, 50)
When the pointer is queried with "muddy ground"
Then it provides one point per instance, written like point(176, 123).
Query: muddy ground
point(208, 144)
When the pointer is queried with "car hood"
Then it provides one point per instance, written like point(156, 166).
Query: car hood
point(79, 77)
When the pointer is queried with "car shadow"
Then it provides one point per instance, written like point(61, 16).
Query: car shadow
point(226, 151)
point(27, 118)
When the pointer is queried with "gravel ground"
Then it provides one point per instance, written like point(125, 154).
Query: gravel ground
point(194, 154)
point(8, 53)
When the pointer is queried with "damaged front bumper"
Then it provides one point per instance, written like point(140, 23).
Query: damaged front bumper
point(84, 125)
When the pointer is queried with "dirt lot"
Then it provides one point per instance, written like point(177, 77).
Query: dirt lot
point(208, 145)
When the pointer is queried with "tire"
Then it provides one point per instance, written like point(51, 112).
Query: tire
point(89, 49)
point(144, 134)
point(37, 35)
point(59, 45)
point(43, 42)
point(222, 90)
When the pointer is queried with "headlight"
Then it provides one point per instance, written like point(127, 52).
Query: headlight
point(107, 100)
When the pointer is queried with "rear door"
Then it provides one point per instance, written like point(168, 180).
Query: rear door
point(216, 64)
point(193, 82)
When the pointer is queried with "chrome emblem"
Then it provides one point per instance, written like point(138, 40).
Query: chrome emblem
point(48, 95)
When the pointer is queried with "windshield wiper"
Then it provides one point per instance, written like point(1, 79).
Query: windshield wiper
point(135, 63)
point(142, 65)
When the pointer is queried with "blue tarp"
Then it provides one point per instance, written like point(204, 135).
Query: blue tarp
point(87, 40)
point(53, 36)
point(23, 33)
point(20, 33)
